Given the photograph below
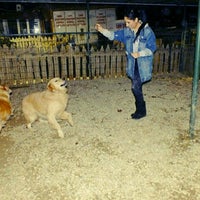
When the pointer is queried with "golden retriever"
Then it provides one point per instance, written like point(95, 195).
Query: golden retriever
point(6, 109)
point(49, 104)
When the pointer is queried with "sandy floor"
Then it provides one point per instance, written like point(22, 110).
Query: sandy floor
point(106, 155)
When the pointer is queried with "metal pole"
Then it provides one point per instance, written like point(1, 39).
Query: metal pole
point(195, 79)
point(88, 40)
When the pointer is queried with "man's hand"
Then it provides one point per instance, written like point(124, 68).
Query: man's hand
point(98, 27)
point(135, 55)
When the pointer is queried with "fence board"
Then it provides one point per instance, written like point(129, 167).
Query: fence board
point(22, 70)
point(3, 73)
point(107, 59)
point(189, 62)
point(9, 68)
point(16, 69)
point(77, 64)
point(56, 66)
point(50, 66)
point(84, 68)
point(23, 67)
point(71, 67)
point(94, 61)
point(97, 66)
point(161, 61)
point(120, 65)
point(30, 72)
point(36, 68)
point(63, 66)
point(43, 68)
point(113, 64)
point(175, 60)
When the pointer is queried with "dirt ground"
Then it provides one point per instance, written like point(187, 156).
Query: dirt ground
point(106, 155)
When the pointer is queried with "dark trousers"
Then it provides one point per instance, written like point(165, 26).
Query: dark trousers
point(137, 85)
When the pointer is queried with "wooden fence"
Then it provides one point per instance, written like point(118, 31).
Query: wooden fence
point(25, 65)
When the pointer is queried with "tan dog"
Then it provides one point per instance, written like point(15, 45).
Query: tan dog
point(49, 104)
point(5, 105)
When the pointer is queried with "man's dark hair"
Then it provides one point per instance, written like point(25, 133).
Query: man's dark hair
point(133, 13)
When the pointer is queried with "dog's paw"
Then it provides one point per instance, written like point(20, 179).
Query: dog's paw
point(29, 126)
point(43, 120)
point(70, 120)
point(60, 134)
point(71, 123)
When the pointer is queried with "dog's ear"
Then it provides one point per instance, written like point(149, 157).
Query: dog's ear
point(3, 87)
point(6, 88)
point(50, 87)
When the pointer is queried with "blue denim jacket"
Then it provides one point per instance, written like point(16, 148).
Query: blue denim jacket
point(146, 43)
